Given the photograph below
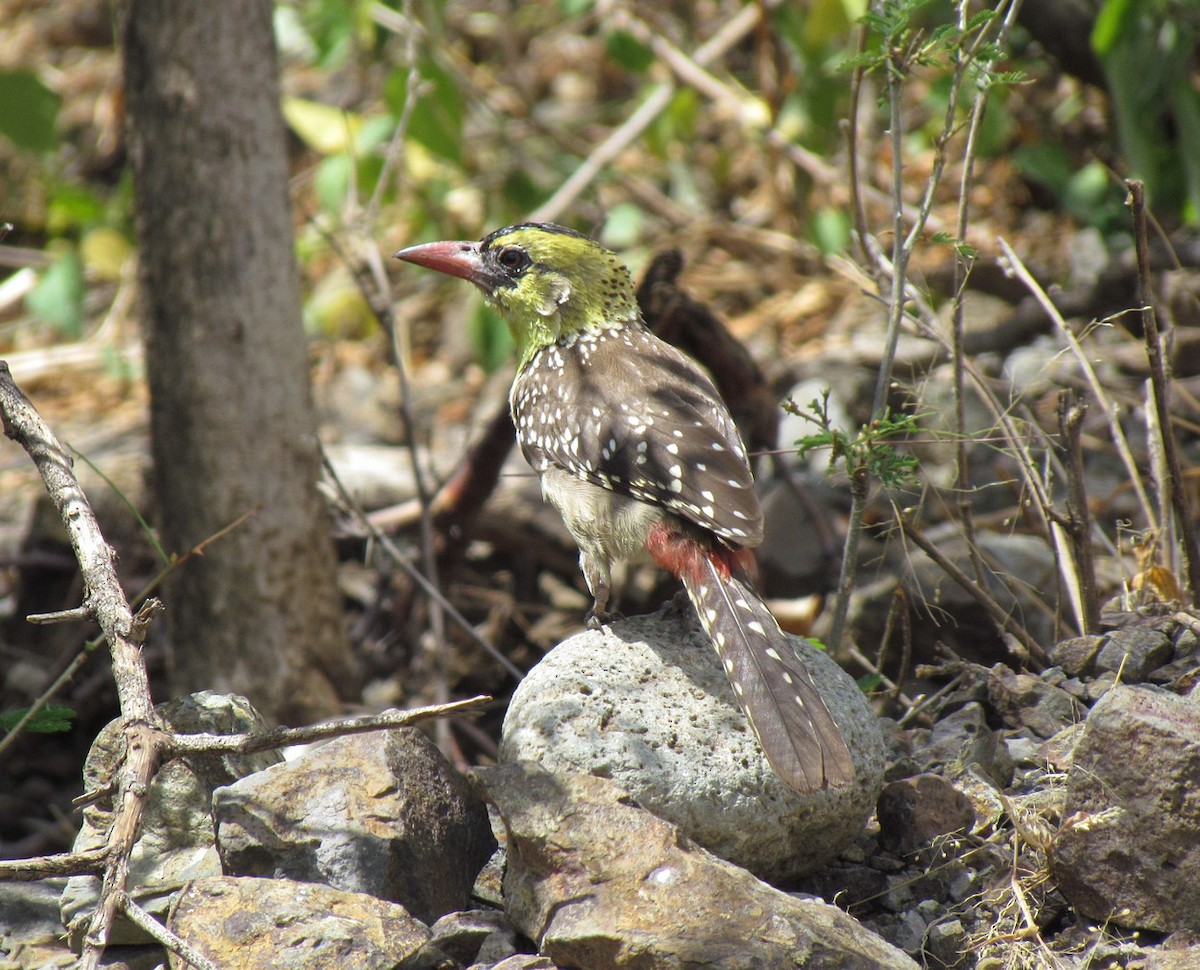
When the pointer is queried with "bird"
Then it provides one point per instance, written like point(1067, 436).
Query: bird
point(637, 451)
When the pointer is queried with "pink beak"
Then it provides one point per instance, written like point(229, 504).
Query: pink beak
point(454, 258)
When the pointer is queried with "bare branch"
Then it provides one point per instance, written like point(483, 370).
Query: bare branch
point(187, 744)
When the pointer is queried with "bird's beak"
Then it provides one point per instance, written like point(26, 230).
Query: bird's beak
point(461, 259)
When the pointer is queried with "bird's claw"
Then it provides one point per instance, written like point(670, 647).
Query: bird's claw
point(595, 619)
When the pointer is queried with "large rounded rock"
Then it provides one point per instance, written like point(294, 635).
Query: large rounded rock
point(646, 703)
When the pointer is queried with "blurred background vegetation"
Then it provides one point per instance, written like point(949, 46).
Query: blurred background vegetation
point(428, 119)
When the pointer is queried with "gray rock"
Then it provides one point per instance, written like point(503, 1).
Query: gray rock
point(908, 933)
point(1183, 958)
point(256, 923)
point(915, 811)
point(30, 928)
point(519, 961)
point(382, 813)
point(946, 944)
point(1024, 700)
point(1076, 654)
point(176, 842)
point(647, 704)
point(483, 935)
point(1128, 849)
point(1135, 651)
point(602, 884)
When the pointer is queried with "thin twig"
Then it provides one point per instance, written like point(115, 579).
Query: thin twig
point(103, 594)
point(1162, 390)
point(171, 941)
point(1079, 524)
point(1111, 414)
point(187, 744)
point(859, 485)
point(87, 863)
point(999, 615)
point(727, 36)
point(400, 559)
point(147, 608)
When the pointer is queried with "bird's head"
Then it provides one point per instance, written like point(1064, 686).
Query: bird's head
point(548, 282)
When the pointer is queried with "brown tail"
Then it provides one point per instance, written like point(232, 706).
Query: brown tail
point(775, 690)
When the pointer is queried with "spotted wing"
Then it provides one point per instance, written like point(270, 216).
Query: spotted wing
point(626, 411)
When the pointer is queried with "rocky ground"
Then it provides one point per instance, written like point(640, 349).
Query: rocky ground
point(1031, 820)
point(1025, 795)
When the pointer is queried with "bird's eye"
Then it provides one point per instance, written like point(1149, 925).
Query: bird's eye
point(513, 259)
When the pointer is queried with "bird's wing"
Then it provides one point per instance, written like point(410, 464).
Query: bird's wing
point(626, 411)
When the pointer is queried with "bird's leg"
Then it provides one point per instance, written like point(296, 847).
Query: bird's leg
point(598, 578)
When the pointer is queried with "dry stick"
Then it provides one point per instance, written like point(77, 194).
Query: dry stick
point(406, 22)
point(999, 615)
point(963, 263)
point(1079, 524)
point(378, 296)
point(190, 744)
point(86, 651)
point(857, 208)
point(103, 595)
point(903, 244)
point(1160, 477)
point(398, 557)
point(178, 745)
point(1029, 472)
point(731, 33)
point(89, 863)
point(1111, 414)
point(1158, 375)
point(170, 941)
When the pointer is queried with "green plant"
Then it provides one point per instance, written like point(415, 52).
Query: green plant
point(871, 451)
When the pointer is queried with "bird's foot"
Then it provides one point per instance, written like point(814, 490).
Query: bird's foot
point(595, 619)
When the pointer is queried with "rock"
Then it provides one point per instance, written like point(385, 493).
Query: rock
point(381, 813)
point(484, 935)
point(647, 704)
point(520, 961)
point(1024, 700)
point(1128, 849)
point(30, 928)
point(1075, 655)
point(1184, 958)
point(1135, 651)
point(908, 932)
point(600, 883)
point(953, 734)
point(946, 944)
point(915, 811)
point(250, 924)
point(176, 842)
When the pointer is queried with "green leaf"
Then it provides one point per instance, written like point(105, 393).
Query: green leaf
point(436, 120)
point(1045, 163)
point(72, 207)
point(628, 51)
point(1115, 18)
point(323, 127)
point(51, 719)
point(331, 183)
point(58, 297)
point(623, 227)
point(830, 230)
point(522, 191)
point(29, 113)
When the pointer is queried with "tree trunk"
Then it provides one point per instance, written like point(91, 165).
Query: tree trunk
point(232, 419)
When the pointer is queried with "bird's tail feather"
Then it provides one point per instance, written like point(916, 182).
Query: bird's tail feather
point(775, 690)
